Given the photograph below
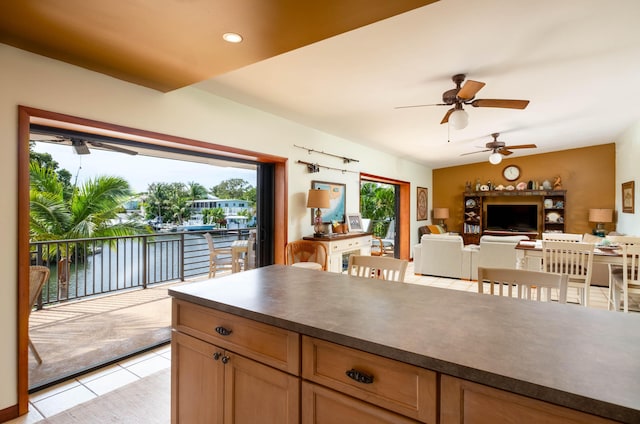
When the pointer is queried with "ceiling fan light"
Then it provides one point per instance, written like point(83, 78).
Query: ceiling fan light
point(459, 119)
point(495, 158)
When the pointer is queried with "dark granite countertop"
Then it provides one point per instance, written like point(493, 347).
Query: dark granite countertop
point(572, 356)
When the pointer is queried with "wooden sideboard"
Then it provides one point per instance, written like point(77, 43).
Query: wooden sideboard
point(340, 246)
point(284, 345)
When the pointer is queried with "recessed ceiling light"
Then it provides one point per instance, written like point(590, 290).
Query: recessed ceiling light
point(232, 37)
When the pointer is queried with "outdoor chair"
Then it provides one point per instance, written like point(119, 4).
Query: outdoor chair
point(38, 275)
point(219, 258)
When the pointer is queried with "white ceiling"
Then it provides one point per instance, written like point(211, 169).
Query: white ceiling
point(577, 61)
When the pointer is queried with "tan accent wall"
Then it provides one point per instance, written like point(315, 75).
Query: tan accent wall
point(588, 175)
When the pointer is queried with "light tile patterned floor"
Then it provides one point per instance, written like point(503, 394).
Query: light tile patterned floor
point(54, 400)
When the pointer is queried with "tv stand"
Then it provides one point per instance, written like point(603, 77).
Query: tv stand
point(531, 234)
point(550, 202)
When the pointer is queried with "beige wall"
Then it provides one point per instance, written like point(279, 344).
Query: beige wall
point(588, 174)
point(42, 83)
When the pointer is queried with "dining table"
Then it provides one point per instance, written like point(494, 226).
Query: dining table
point(529, 255)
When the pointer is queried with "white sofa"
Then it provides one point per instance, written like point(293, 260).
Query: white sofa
point(442, 255)
point(495, 252)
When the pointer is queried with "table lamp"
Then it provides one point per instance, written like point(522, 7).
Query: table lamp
point(318, 199)
point(441, 214)
point(600, 216)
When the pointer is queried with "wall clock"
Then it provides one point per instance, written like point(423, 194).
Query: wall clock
point(511, 172)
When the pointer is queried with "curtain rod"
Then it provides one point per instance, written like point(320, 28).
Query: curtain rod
point(315, 167)
point(344, 159)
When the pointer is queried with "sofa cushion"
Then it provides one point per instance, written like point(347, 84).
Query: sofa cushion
point(436, 229)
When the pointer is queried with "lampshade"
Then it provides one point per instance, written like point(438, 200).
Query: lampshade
point(600, 215)
point(458, 119)
point(495, 158)
point(440, 213)
point(318, 199)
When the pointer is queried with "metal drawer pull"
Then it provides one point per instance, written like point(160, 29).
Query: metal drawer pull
point(359, 376)
point(225, 359)
point(216, 355)
point(223, 331)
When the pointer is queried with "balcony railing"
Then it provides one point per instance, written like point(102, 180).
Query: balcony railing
point(89, 267)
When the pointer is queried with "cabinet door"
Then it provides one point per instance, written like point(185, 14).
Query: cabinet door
point(256, 393)
point(325, 406)
point(470, 403)
point(197, 381)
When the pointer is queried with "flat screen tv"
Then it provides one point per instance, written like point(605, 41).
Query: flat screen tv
point(512, 217)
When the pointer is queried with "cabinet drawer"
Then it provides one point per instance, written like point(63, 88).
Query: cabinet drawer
point(349, 244)
point(406, 389)
point(325, 406)
point(265, 343)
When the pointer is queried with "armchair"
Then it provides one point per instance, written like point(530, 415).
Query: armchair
point(442, 255)
point(496, 252)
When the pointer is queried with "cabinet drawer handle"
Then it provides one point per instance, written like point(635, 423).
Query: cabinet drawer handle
point(216, 356)
point(359, 376)
point(225, 359)
point(223, 331)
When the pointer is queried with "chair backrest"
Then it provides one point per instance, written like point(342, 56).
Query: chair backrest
point(250, 262)
point(631, 262)
point(38, 275)
point(306, 251)
point(566, 257)
point(622, 240)
point(523, 284)
point(209, 239)
point(570, 237)
point(381, 267)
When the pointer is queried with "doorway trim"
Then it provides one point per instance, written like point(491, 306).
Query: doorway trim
point(404, 212)
point(28, 116)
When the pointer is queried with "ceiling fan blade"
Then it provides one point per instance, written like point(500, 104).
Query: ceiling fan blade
point(522, 146)
point(505, 152)
point(504, 103)
point(433, 104)
point(446, 115)
point(114, 148)
point(469, 89)
point(479, 151)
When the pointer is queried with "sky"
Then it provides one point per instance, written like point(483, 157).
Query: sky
point(139, 170)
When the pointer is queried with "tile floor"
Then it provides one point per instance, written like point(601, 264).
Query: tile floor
point(51, 401)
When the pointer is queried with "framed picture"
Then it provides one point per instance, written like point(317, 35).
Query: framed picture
point(628, 201)
point(337, 198)
point(354, 221)
point(422, 196)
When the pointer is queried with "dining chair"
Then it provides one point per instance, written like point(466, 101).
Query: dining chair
point(38, 275)
point(219, 258)
point(570, 237)
point(625, 282)
point(523, 284)
point(380, 267)
point(306, 253)
point(572, 258)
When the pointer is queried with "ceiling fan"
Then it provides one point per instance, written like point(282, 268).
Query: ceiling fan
point(465, 95)
point(79, 141)
point(499, 149)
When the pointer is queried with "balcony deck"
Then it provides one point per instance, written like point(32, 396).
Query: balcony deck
point(78, 336)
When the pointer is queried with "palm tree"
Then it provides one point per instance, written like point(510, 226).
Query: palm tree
point(89, 212)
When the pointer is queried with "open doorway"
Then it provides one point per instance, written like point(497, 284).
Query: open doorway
point(384, 202)
point(270, 196)
point(109, 217)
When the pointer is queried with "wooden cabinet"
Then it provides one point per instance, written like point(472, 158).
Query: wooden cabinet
point(551, 207)
point(472, 221)
point(340, 246)
point(211, 383)
point(553, 216)
point(466, 402)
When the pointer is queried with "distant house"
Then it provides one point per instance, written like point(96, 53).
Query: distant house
point(229, 206)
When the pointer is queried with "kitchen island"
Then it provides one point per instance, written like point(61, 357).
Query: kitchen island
point(459, 351)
